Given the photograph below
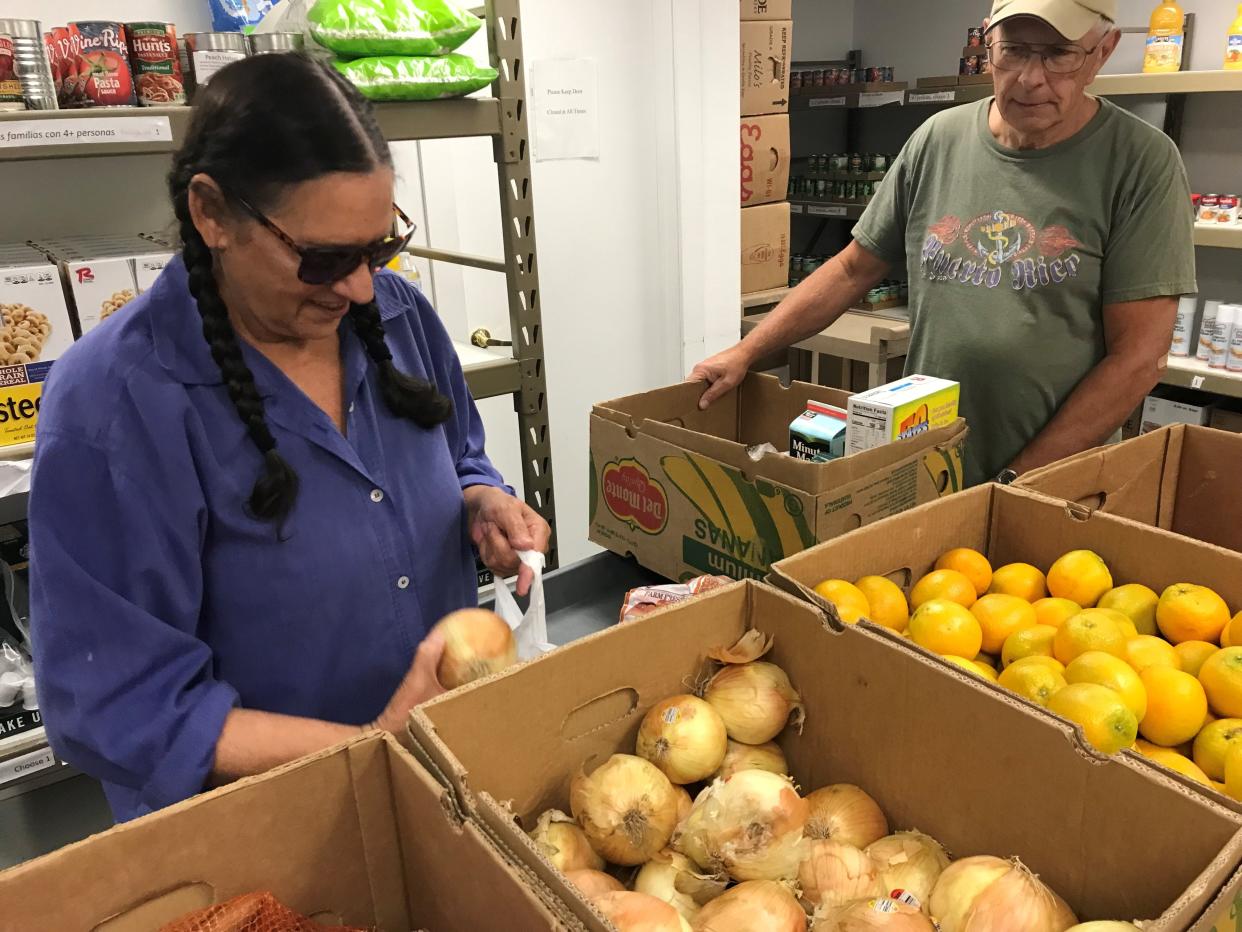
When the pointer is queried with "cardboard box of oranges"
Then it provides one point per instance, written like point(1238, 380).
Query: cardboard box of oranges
point(1125, 630)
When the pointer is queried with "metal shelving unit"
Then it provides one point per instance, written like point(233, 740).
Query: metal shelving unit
point(1194, 373)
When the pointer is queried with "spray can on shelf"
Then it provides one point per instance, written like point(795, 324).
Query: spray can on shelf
point(1184, 325)
point(1234, 361)
point(1207, 330)
point(1222, 335)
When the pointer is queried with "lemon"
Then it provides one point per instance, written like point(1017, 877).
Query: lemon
point(1050, 662)
point(1187, 612)
point(1096, 666)
point(1173, 760)
point(1137, 602)
point(851, 604)
point(971, 564)
point(972, 666)
point(1148, 651)
point(945, 627)
point(1054, 612)
point(1090, 629)
point(1029, 642)
point(886, 601)
point(1213, 741)
point(1106, 722)
point(1020, 579)
point(1192, 654)
point(1081, 576)
point(1036, 681)
point(1176, 706)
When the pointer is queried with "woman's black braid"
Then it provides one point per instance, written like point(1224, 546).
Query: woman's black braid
point(262, 125)
point(405, 395)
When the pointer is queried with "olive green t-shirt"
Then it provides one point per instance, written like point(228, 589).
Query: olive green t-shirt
point(1012, 256)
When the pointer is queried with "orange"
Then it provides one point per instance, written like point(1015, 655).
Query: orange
point(971, 564)
point(1137, 602)
point(851, 604)
point(1001, 615)
point(1231, 634)
point(1095, 666)
point(1176, 706)
point(1032, 680)
point(988, 660)
point(1187, 612)
point(886, 600)
point(1086, 631)
point(1050, 662)
point(945, 627)
point(1081, 576)
point(944, 584)
point(1233, 772)
point(1053, 612)
point(1029, 642)
point(1192, 654)
point(1020, 579)
point(1173, 760)
point(1147, 651)
point(1106, 722)
point(1212, 743)
point(1221, 676)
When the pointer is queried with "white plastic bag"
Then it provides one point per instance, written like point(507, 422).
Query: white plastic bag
point(529, 630)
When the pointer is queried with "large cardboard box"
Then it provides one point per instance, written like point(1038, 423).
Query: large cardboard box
point(676, 488)
point(936, 749)
point(766, 9)
point(1183, 479)
point(765, 247)
point(764, 66)
point(1173, 407)
point(765, 159)
point(360, 835)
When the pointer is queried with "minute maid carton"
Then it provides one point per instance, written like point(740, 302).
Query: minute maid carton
point(674, 486)
point(898, 410)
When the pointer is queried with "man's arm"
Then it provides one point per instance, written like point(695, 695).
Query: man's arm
point(830, 291)
point(1137, 336)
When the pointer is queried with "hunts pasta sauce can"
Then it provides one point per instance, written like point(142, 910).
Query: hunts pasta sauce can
point(156, 64)
point(99, 66)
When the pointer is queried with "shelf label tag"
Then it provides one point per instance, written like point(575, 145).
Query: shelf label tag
point(935, 97)
point(17, 767)
point(77, 131)
point(1196, 382)
point(881, 98)
point(816, 102)
point(795, 208)
point(831, 210)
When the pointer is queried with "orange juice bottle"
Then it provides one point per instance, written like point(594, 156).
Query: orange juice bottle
point(1165, 39)
point(1233, 46)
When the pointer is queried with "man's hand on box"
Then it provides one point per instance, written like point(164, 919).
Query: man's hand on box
point(722, 373)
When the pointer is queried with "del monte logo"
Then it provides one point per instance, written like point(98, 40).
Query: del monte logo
point(634, 497)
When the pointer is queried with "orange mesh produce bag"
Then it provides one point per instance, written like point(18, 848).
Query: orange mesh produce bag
point(251, 912)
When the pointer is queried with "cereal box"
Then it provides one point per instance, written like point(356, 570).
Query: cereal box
point(906, 408)
point(147, 268)
point(35, 328)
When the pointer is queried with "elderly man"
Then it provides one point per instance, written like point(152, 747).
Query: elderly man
point(1047, 235)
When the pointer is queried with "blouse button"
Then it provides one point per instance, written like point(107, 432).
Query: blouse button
point(377, 496)
point(403, 582)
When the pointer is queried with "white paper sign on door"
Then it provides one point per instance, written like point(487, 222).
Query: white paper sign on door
point(564, 105)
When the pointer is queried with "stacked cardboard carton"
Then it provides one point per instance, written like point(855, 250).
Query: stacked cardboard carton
point(764, 78)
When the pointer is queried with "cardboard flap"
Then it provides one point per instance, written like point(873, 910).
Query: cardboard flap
point(1205, 503)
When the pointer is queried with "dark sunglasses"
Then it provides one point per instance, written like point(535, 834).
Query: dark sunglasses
point(324, 265)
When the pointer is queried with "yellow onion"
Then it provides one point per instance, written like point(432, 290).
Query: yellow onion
point(683, 736)
point(684, 803)
point(843, 812)
point(672, 877)
point(1104, 925)
point(910, 862)
point(748, 826)
point(885, 914)
point(755, 700)
point(740, 756)
point(627, 808)
point(834, 873)
point(987, 894)
point(592, 883)
point(477, 643)
point(564, 843)
point(638, 912)
point(753, 906)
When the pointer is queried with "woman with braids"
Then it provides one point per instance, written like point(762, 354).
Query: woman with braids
point(256, 489)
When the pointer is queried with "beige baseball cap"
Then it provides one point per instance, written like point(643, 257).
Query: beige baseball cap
point(1071, 18)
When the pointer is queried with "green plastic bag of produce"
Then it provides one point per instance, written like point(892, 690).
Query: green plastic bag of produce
point(392, 77)
point(357, 28)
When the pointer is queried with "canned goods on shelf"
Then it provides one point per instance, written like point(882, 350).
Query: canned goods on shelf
point(265, 43)
point(888, 74)
point(29, 65)
point(821, 188)
point(856, 163)
point(208, 52)
point(98, 72)
point(1228, 209)
point(974, 36)
point(875, 75)
point(795, 80)
point(817, 77)
point(156, 61)
point(11, 97)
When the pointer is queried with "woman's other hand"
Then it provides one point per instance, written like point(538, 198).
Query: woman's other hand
point(500, 526)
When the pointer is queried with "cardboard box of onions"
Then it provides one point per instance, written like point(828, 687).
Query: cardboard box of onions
point(859, 787)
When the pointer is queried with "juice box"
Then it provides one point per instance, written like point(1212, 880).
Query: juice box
point(901, 409)
point(818, 434)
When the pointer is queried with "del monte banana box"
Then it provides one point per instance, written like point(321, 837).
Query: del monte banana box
point(677, 488)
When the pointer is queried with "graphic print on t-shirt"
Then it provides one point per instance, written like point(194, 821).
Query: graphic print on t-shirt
point(979, 252)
